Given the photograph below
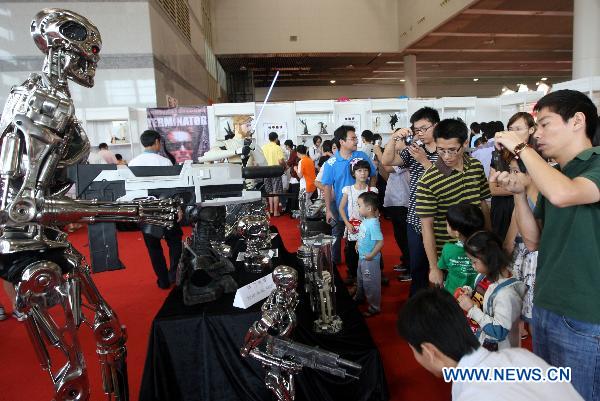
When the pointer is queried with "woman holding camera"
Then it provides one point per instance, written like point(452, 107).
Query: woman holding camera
point(502, 201)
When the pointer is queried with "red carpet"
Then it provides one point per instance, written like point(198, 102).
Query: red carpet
point(133, 294)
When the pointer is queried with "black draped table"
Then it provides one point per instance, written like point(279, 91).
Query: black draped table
point(193, 351)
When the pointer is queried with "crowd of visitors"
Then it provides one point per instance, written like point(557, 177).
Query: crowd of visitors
point(499, 234)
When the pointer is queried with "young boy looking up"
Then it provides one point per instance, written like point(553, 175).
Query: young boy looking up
point(368, 246)
point(462, 221)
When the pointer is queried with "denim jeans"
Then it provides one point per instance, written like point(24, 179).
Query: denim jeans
point(337, 230)
point(419, 265)
point(562, 341)
point(368, 282)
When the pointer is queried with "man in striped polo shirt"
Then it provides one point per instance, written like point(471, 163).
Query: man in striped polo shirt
point(454, 178)
point(417, 156)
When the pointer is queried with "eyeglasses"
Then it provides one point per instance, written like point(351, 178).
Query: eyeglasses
point(420, 130)
point(449, 152)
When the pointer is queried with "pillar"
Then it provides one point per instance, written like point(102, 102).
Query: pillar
point(410, 75)
point(586, 31)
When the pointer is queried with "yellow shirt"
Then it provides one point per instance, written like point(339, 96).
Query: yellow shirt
point(273, 153)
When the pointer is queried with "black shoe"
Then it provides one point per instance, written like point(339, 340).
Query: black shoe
point(404, 277)
point(370, 313)
point(399, 268)
point(163, 286)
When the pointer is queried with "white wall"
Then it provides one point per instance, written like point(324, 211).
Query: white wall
point(125, 74)
point(264, 26)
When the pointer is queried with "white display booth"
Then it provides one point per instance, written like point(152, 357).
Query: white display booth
point(303, 120)
point(300, 121)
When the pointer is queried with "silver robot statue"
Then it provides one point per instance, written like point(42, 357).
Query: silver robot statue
point(40, 138)
point(268, 341)
point(315, 256)
point(278, 319)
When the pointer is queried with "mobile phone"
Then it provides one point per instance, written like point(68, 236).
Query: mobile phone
point(498, 162)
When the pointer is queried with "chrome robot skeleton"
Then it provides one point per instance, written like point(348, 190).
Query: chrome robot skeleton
point(281, 357)
point(40, 138)
point(315, 256)
point(278, 319)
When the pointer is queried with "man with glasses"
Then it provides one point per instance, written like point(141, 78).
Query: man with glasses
point(336, 176)
point(454, 178)
point(417, 153)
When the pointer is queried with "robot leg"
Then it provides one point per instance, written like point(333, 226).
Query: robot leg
point(41, 287)
point(110, 337)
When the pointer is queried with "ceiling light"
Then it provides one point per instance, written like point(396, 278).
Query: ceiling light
point(403, 80)
point(385, 71)
point(394, 62)
point(332, 81)
point(475, 79)
point(544, 79)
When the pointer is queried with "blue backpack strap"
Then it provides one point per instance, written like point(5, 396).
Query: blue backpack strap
point(490, 302)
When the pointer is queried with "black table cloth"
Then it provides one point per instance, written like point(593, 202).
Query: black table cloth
point(193, 351)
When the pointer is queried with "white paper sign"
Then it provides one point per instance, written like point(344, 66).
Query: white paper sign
point(254, 292)
point(279, 128)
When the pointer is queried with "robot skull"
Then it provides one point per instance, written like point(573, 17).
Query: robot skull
point(72, 38)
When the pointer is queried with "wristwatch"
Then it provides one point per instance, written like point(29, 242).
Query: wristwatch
point(519, 148)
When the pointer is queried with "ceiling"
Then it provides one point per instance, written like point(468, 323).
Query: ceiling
point(497, 42)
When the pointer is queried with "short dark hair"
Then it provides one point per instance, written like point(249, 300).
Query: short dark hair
point(118, 156)
point(377, 137)
point(317, 138)
point(367, 135)
point(487, 247)
point(361, 163)
point(326, 145)
point(425, 113)
point(273, 136)
point(289, 142)
point(465, 218)
point(149, 137)
point(301, 149)
point(566, 103)
point(103, 145)
point(433, 316)
point(370, 199)
point(475, 128)
point(341, 133)
point(451, 128)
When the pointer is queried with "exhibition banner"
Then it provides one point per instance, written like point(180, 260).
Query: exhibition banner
point(184, 130)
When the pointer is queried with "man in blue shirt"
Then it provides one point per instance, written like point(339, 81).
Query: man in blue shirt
point(337, 175)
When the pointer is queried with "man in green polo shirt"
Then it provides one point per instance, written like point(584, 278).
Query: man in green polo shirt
point(566, 225)
point(454, 178)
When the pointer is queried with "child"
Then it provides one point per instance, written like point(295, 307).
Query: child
point(368, 246)
point(360, 170)
point(494, 306)
point(462, 221)
point(306, 172)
